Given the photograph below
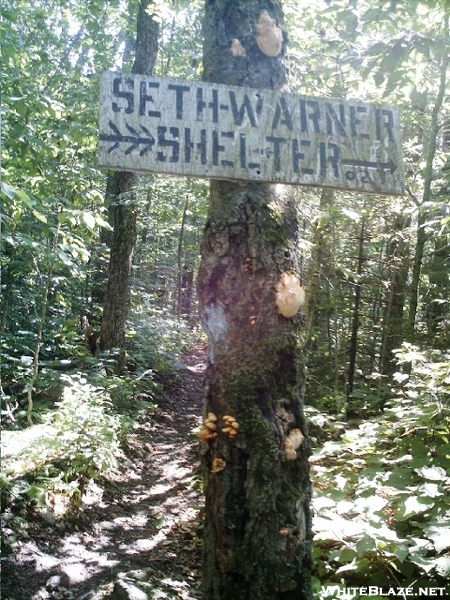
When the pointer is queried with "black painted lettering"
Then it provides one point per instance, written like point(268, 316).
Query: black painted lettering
point(276, 141)
point(174, 144)
point(239, 113)
point(202, 146)
point(144, 98)
point(384, 117)
point(355, 122)
point(242, 150)
point(298, 156)
point(309, 111)
point(287, 117)
point(216, 148)
point(334, 158)
point(334, 119)
point(128, 96)
point(219, 148)
point(179, 91)
point(188, 145)
point(323, 158)
point(150, 141)
point(202, 104)
point(229, 135)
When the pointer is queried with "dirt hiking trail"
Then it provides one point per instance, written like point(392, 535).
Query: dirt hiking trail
point(138, 536)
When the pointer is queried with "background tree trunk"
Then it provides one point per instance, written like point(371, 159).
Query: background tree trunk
point(355, 315)
point(439, 293)
point(393, 318)
point(122, 190)
point(258, 521)
point(429, 152)
point(180, 261)
point(320, 236)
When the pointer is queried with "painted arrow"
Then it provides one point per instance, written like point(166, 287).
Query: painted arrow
point(135, 139)
point(366, 164)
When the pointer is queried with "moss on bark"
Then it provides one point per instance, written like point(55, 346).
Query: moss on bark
point(258, 523)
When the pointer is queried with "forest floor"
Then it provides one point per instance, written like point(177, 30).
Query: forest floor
point(137, 536)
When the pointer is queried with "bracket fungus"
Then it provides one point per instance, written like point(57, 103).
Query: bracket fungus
point(231, 426)
point(270, 36)
point(292, 443)
point(290, 296)
point(237, 49)
point(209, 428)
point(218, 465)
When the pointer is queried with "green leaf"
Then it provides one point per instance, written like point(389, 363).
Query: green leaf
point(431, 490)
point(443, 566)
point(440, 536)
point(377, 49)
point(89, 220)
point(400, 477)
point(364, 545)
point(348, 568)
point(8, 190)
point(433, 473)
point(413, 506)
point(401, 552)
point(426, 564)
point(39, 216)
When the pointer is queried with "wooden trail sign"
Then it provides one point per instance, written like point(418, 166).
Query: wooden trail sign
point(200, 129)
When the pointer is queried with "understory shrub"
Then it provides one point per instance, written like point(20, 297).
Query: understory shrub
point(382, 503)
point(78, 441)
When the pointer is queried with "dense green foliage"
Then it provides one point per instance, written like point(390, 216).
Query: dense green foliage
point(383, 514)
point(79, 441)
point(377, 372)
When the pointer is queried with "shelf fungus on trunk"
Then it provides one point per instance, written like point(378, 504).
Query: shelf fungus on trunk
point(209, 428)
point(290, 296)
point(292, 443)
point(231, 426)
point(218, 465)
point(270, 36)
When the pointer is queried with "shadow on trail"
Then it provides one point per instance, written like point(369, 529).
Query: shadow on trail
point(138, 535)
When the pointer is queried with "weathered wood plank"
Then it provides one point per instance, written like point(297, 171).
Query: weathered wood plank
point(151, 124)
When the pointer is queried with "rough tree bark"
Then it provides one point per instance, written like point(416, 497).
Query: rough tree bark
point(121, 190)
point(393, 317)
point(355, 314)
point(316, 263)
point(258, 521)
point(439, 293)
point(429, 156)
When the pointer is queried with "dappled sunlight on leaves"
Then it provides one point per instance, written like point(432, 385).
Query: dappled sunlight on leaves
point(382, 491)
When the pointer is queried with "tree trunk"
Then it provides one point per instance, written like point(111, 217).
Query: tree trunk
point(314, 275)
point(439, 293)
point(258, 520)
point(180, 261)
point(414, 288)
point(429, 156)
point(393, 318)
point(122, 190)
point(355, 315)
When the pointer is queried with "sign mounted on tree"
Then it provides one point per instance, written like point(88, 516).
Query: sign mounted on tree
point(200, 129)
